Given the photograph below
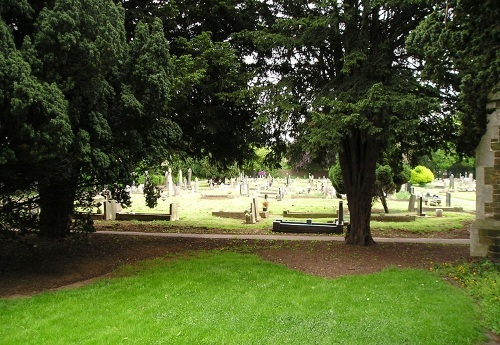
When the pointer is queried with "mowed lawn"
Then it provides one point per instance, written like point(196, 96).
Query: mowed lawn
point(234, 298)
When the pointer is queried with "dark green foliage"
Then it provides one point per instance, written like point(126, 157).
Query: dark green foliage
point(459, 44)
point(343, 84)
point(80, 105)
point(335, 175)
point(384, 184)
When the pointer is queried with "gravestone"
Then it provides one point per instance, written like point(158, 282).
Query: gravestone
point(174, 211)
point(179, 178)
point(485, 230)
point(452, 181)
point(411, 203)
point(190, 175)
point(255, 209)
point(169, 183)
point(471, 182)
point(109, 209)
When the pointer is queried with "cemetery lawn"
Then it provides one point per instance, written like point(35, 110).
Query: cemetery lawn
point(31, 264)
point(239, 298)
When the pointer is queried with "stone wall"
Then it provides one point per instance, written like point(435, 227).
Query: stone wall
point(485, 231)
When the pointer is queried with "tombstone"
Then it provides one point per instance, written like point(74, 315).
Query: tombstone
point(169, 183)
point(177, 190)
point(190, 173)
point(255, 209)
point(471, 182)
point(179, 178)
point(109, 209)
point(196, 185)
point(408, 187)
point(452, 181)
point(174, 211)
point(448, 199)
point(439, 212)
point(485, 230)
point(411, 203)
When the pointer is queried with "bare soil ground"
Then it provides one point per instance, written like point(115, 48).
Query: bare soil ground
point(30, 264)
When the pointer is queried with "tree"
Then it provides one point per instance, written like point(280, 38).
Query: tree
point(447, 162)
point(212, 101)
point(421, 176)
point(459, 48)
point(88, 104)
point(354, 89)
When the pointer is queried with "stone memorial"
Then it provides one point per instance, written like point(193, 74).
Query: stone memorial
point(189, 176)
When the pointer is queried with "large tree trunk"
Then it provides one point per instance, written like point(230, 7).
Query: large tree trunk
point(358, 160)
point(56, 207)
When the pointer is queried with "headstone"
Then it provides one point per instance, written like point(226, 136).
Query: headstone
point(408, 187)
point(196, 185)
point(411, 203)
point(471, 182)
point(179, 178)
point(448, 199)
point(452, 181)
point(190, 173)
point(109, 209)
point(174, 211)
point(169, 182)
point(256, 212)
point(439, 212)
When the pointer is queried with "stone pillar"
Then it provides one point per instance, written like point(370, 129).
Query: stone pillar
point(174, 211)
point(110, 209)
point(190, 174)
point(485, 231)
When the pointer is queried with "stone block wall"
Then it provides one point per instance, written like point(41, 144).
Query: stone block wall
point(485, 231)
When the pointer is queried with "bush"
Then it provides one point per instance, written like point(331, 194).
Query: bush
point(335, 175)
point(421, 176)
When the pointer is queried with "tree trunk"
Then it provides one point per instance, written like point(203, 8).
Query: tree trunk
point(358, 161)
point(383, 200)
point(56, 207)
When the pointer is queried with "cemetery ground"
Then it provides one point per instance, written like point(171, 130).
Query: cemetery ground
point(31, 265)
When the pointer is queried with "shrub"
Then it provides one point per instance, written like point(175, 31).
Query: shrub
point(421, 176)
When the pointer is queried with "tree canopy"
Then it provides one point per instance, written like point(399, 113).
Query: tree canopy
point(84, 101)
point(343, 82)
point(458, 45)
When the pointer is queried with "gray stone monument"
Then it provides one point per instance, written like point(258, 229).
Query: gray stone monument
point(169, 182)
point(190, 173)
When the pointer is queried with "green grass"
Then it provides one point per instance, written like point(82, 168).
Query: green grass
point(428, 225)
point(197, 212)
point(231, 298)
point(481, 279)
